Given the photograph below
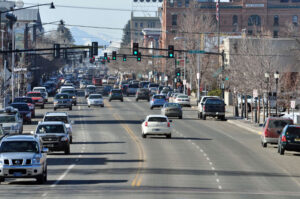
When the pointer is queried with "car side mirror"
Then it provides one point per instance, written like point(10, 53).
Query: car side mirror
point(45, 150)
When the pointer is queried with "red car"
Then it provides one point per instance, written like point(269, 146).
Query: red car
point(272, 129)
point(37, 98)
point(29, 102)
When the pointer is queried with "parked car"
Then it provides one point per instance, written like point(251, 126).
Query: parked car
point(213, 107)
point(201, 103)
point(54, 135)
point(43, 91)
point(11, 120)
point(132, 89)
point(23, 156)
point(115, 94)
point(289, 139)
point(95, 100)
point(24, 111)
point(156, 125)
point(60, 117)
point(172, 110)
point(272, 129)
point(183, 100)
point(62, 100)
point(142, 93)
point(29, 102)
point(157, 101)
point(37, 98)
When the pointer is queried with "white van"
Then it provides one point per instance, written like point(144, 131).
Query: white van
point(43, 91)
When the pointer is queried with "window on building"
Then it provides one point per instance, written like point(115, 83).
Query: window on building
point(235, 20)
point(275, 33)
point(295, 1)
point(171, 3)
point(254, 20)
point(284, 1)
point(136, 24)
point(174, 20)
point(136, 33)
point(179, 3)
point(141, 25)
point(295, 20)
point(187, 3)
point(276, 20)
point(250, 32)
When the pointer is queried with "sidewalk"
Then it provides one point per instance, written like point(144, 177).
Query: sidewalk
point(238, 121)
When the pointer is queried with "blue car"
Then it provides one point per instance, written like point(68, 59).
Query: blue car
point(157, 101)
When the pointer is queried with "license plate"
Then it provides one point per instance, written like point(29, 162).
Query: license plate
point(297, 139)
point(50, 145)
point(156, 129)
point(217, 113)
point(17, 174)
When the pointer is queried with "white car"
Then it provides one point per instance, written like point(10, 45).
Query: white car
point(43, 91)
point(183, 100)
point(95, 100)
point(156, 125)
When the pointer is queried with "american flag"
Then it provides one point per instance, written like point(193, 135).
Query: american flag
point(217, 10)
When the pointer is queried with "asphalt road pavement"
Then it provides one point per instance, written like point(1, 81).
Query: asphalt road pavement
point(204, 159)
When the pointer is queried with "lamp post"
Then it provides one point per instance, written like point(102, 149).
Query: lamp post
point(184, 59)
point(276, 76)
point(267, 76)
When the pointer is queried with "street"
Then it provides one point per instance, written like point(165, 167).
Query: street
point(203, 159)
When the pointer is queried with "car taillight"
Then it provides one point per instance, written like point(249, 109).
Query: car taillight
point(203, 108)
point(283, 138)
point(153, 99)
point(169, 124)
point(146, 123)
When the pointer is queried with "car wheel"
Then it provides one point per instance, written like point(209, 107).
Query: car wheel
point(180, 117)
point(109, 100)
point(204, 117)
point(70, 108)
point(198, 115)
point(71, 139)
point(264, 144)
point(2, 179)
point(67, 150)
point(136, 99)
point(41, 178)
point(102, 105)
point(169, 136)
point(54, 109)
point(42, 107)
point(151, 107)
point(75, 103)
point(121, 100)
point(144, 135)
point(89, 106)
point(281, 151)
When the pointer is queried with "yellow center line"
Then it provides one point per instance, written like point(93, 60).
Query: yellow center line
point(138, 177)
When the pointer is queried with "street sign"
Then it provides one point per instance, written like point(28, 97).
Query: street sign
point(157, 56)
point(196, 51)
point(293, 104)
point(166, 78)
point(20, 69)
point(255, 93)
point(198, 75)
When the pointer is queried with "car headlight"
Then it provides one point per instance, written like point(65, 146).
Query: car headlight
point(36, 160)
point(55, 102)
point(74, 97)
point(64, 139)
point(40, 100)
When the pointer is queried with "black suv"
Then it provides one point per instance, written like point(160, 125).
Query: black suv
point(142, 93)
point(289, 140)
point(115, 94)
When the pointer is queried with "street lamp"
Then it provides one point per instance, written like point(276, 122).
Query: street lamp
point(184, 59)
point(267, 76)
point(276, 76)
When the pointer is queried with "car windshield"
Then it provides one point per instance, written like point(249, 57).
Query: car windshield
point(39, 90)
point(62, 97)
point(175, 105)
point(50, 129)
point(7, 119)
point(183, 96)
point(144, 90)
point(279, 123)
point(91, 89)
point(21, 107)
point(19, 146)
point(95, 97)
point(34, 95)
point(26, 100)
point(293, 131)
point(157, 119)
point(116, 91)
point(133, 86)
point(71, 92)
point(214, 102)
point(63, 119)
point(159, 97)
point(153, 85)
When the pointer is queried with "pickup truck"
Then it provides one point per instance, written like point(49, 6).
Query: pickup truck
point(213, 107)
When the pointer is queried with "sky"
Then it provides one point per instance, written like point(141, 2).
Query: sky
point(90, 17)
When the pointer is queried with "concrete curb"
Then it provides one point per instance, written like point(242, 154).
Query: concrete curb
point(235, 122)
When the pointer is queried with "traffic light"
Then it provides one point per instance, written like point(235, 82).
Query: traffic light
point(177, 72)
point(114, 55)
point(139, 57)
point(91, 52)
point(56, 53)
point(171, 51)
point(135, 49)
point(105, 56)
point(124, 58)
point(95, 48)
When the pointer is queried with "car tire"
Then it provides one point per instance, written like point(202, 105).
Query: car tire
point(102, 106)
point(67, 150)
point(70, 108)
point(264, 144)
point(41, 178)
point(109, 100)
point(144, 135)
point(180, 117)
point(89, 106)
point(71, 139)
point(121, 100)
point(204, 117)
point(168, 136)
point(148, 100)
point(54, 109)
point(75, 104)
point(151, 107)
point(2, 179)
point(42, 107)
point(136, 99)
point(281, 151)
